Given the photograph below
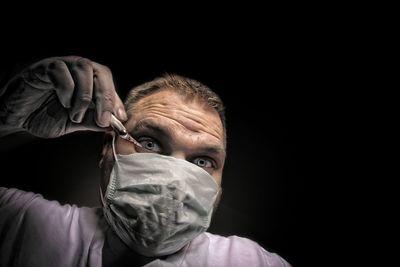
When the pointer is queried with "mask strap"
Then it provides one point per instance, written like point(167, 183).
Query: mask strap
point(102, 197)
point(113, 148)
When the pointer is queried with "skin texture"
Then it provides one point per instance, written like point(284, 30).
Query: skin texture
point(174, 125)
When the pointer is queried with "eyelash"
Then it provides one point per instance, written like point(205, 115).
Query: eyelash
point(212, 161)
point(149, 139)
point(153, 140)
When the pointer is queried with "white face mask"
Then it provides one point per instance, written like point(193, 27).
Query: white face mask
point(157, 204)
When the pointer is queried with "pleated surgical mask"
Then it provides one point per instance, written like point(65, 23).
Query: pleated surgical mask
point(157, 204)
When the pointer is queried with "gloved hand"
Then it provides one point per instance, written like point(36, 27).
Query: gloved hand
point(59, 95)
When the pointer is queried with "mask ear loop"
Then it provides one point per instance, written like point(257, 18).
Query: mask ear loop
point(113, 148)
point(102, 197)
point(115, 158)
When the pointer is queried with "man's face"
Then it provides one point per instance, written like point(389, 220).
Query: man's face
point(169, 124)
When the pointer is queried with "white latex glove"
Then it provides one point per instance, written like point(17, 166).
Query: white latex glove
point(52, 97)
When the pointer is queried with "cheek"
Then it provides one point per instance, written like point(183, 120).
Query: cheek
point(124, 147)
point(217, 177)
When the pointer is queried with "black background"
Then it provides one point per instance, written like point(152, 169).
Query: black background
point(276, 86)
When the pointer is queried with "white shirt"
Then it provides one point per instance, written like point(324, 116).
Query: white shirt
point(38, 232)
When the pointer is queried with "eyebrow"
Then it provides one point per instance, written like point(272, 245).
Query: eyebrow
point(166, 132)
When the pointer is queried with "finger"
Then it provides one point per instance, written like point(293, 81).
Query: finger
point(82, 73)
point(88, 123)
point(119, 109)
point(63, 83)
point(104, 94)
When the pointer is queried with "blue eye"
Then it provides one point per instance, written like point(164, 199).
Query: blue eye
point(150, 144)
point(203, 162)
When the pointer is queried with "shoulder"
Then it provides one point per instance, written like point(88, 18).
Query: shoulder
point(238, 251)
point(35, 225)
point(20, 203)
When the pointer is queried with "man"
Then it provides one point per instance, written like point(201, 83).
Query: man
point(158, 195)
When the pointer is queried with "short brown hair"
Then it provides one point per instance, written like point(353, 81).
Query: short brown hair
point(182, 85)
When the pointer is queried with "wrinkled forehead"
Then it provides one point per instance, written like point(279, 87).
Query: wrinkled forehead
point(191, 110)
